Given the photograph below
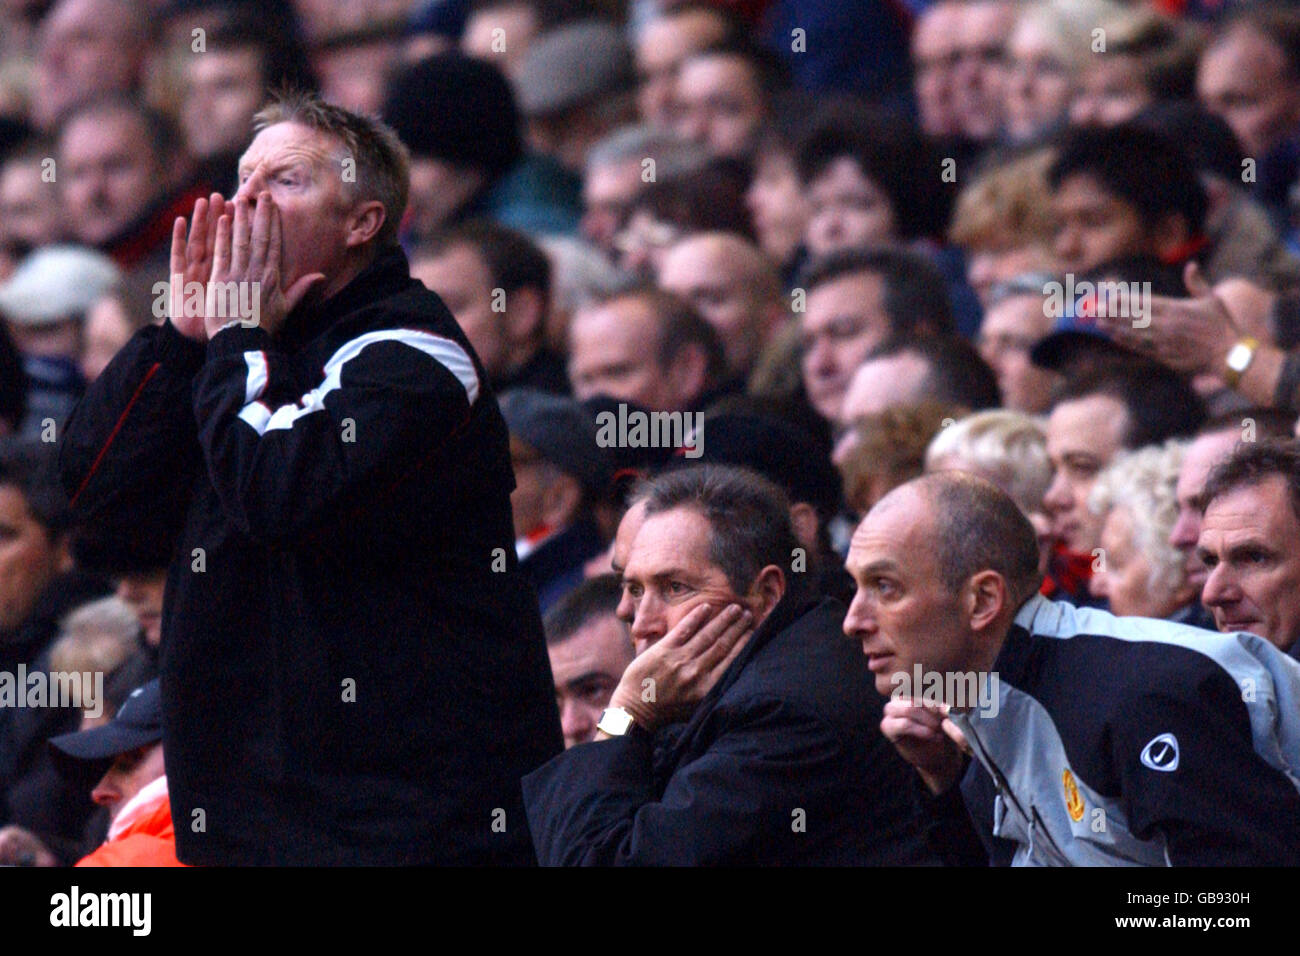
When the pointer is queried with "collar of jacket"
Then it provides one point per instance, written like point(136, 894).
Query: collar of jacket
point(152, 229)
point(1013, 657)
point(389, 272)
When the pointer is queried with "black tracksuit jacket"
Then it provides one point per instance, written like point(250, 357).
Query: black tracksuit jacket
point(353, 670)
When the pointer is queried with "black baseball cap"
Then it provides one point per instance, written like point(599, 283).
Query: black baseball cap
point(87, 754)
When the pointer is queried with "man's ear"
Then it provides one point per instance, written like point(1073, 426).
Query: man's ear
point(1171, 232)
point(986, 597)
point(803, 518)
point(560, 501)
point(364, 222)
point(525, 313)
point(767, 590)
point(688, 373)
point(63, 554)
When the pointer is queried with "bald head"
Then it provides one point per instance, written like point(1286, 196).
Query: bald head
point(733, 285)
point(973, 526)
point(85, 48)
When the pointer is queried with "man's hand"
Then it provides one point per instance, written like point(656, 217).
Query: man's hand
point(665, 683)
point(1191, 335)
point(191, 261)
point(19, 847)
point(247, 250)
point(927, 739)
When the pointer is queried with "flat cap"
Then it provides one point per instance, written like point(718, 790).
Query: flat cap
point(56, 283)
point(572, 65)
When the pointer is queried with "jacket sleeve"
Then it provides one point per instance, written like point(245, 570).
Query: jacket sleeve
point(280, 460)
point(596, 804)
point(1202, 785)
point(133, 431)
point(950, 831)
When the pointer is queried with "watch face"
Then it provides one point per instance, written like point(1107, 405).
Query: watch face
point(615, 722)
point(1239, 357)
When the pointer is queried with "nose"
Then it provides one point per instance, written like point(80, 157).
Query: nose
point(1220, 590)
point(596, 227)
point(576, 723)
point(990, 354)
point(693, 125)
point(128, 591)
point(860, 620)
point(626, 610)
point(820, 358)
point(1186, 530)
point(1066, 245)
point(648, 624)
point(252, 186)
point(107, 791)
point(982, 269)
point(1098, 585)
point(1058, 497)
point(844, 447)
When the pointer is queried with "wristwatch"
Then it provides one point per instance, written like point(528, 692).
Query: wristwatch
point(615, 721)
point(1238, 360)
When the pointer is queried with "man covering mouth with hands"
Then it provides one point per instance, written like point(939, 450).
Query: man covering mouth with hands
point(339, 637)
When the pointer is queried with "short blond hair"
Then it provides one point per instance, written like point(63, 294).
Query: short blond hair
point(890, 450)
point(383, 163)
point(99, 637)
point(1009, 205)
point(1005, 447)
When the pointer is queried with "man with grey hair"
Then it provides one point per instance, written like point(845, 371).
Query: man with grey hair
point(1107, 741)
point(619, 166)
point(346, 540)
point(744, 731)
point(1247, 542)
point(86, 48)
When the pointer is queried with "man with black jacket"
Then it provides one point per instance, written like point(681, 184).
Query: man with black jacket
point(41, 818)
point(745, 730)
point(353, 671)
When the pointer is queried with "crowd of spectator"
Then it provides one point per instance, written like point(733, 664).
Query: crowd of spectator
point(844, 244)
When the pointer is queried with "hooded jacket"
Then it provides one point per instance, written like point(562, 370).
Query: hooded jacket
point(353, 669)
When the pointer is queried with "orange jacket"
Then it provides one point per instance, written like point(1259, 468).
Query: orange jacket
point(143, 836)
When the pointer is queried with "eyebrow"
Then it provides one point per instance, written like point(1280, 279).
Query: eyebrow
point(672, 572)
point(877, 567)
point(584, 678)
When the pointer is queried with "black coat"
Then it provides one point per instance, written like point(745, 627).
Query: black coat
point(353, 669)
point(32, 795)
point(782, 763)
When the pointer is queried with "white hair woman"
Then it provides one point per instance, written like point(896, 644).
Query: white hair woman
point(1007, 448)
point(1136, 569)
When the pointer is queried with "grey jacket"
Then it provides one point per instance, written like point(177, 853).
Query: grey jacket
point(1132, 741)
